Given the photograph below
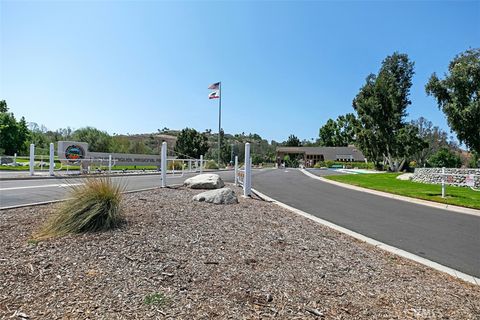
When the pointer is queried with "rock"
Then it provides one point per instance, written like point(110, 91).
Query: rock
point(405, 176)
point(205, 181)
point(219, 196)
point(454, 176)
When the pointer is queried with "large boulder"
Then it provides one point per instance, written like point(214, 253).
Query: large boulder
point(205, 181)
point(219, 196)
point(405, 176)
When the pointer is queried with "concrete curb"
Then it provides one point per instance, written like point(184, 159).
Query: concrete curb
point(378, 244)
point(396, 196)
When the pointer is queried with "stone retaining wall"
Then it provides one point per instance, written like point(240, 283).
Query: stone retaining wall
point(433, 175)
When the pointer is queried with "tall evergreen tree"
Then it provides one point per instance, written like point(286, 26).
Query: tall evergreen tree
point(458, 96)
point(381, 106)
point(191, 143)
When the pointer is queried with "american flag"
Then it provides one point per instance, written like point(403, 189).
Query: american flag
point(214, 86)
point(214, 95)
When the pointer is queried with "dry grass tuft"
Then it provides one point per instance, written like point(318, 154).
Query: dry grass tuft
point(95, 206)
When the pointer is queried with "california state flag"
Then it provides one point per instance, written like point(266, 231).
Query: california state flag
point(214, 95)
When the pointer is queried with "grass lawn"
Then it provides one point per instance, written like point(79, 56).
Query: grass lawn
point(132, 167)
point(73, 167)
point(387, 182)
point(37, 168)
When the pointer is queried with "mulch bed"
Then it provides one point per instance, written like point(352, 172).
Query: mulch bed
point(179, 259)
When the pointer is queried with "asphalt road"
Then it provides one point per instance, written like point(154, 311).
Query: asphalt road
point(23, 192)
point(449, 238)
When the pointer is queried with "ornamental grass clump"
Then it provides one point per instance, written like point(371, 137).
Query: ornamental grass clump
point(94, 206)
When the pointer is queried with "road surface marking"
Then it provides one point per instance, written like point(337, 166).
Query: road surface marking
point(62, 185)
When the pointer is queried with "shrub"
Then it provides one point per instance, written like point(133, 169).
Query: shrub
point(210, 164)
point(175, 165)
point(445, 158)
point(329, 163)
point(348, 165)
point(319, 164)
point(291, 161)
point(95, 206)
point(256, 159)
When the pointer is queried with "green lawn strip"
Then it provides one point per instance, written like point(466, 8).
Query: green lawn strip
point(45, 168)
point(132, 167)
point(64, 168)
point(387, 182)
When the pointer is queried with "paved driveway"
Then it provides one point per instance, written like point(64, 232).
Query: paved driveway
point(449, 238)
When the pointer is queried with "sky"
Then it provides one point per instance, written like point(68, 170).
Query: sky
point(286, 67)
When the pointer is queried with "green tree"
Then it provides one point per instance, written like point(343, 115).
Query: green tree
point(474, 161)
point(458, 96)
point(98, 141)
point(445, 158)
point(226, 150)
point(38, 136)
point(139, 147)
point(13, 135)
point(191, 143)
point(328, 133)
point(293, 141)
point(434, 137)
point(339, 133)
point(381, 108)
point(120, 144)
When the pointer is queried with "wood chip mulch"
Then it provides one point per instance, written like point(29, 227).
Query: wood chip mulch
point(179, 259)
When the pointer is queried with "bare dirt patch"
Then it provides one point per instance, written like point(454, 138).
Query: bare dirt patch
point(181, 259)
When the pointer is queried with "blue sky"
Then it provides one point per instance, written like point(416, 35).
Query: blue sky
point(286, 67)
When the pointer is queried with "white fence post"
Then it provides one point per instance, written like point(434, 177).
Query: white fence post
point(201, 163)
point(443, 182)
point(109, 164)
point(247, 178)
point(32, 159)
point(52, 159)
point(236, 171)
point(163, 164)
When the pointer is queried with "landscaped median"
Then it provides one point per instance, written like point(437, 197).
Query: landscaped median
point(182, 259)
point(388, 182)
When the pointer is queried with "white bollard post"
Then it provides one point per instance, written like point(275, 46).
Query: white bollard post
point(51, 167)
point(163, 164)
point(443, 182)
point(247, 177)
point(15, 159)
point(201, 163)
point(250, 176)
point(109, 164)
point(32, 159)
point(190, 165)
point(236, 171)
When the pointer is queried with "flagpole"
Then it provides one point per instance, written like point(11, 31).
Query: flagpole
point(219, 122)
